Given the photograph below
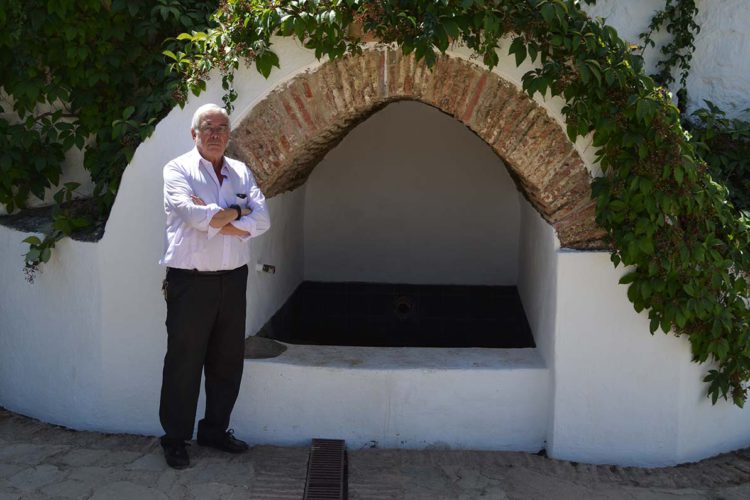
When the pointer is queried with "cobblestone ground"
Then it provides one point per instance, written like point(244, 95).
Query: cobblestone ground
point(42, 461)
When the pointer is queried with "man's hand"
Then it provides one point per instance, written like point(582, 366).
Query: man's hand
point(230, 230)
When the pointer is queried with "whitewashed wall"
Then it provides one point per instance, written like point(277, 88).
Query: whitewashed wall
point(537, 277)
point(50, 334)
point(83, 346)
point(411, 196)
point(621, 395)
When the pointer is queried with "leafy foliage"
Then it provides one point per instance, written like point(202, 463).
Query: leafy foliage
point(678, 19)
point(66, 219)
point(725, 145)
point(685, 246)
point(86, 74)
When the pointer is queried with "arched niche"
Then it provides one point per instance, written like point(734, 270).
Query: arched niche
point(286, 134)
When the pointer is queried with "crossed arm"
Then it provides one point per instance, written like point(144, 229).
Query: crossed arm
point(223, 218)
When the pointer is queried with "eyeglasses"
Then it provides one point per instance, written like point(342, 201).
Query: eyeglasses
point(220, 130)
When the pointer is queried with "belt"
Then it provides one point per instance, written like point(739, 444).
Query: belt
point(195, 272)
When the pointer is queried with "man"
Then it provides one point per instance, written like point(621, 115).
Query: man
point(213, 208)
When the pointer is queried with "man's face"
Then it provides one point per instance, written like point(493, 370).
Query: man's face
point(212, 135)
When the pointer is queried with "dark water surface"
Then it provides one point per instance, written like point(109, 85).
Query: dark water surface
point(394, 315)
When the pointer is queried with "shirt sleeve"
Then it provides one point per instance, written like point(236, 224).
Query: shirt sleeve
point(258, 221)
point(177, 199)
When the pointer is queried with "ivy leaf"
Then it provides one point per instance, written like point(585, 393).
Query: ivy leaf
point(518, 48)
point(678, 174)
point(45, 254)
point(629, 278)
point(32, 240)
point(451, 28)
point(32, 256)
point(653, 325)
point(265, 63)
point(548, 12)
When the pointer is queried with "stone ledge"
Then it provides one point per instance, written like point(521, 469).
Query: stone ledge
point(39, 220)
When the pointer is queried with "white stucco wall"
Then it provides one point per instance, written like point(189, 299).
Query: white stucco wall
point(83, 346)
point(537, 276)
point(621, 395)
point(411, 195)
point(50, 334)
point(486, 399)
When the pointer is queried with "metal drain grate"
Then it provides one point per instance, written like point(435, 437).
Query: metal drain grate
point(326, 470)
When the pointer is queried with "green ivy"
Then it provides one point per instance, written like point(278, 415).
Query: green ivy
point(677, 18)
point(67, 218)
point(684, 244)
point(86, 74)
point(725, 145)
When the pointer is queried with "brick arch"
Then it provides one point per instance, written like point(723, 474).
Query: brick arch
point(284, 136)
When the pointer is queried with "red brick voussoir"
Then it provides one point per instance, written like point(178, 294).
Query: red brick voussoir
point(287, 133)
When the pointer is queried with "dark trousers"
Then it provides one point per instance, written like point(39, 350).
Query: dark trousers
point(205, 332)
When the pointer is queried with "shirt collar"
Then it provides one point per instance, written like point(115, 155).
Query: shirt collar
point(207, 164)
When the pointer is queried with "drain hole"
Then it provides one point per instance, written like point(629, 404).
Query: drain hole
point(404, 307)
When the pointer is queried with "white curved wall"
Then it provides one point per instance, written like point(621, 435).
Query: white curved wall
point(83, 346)
point(411, 196)
point(621, 395)
point(50, 334)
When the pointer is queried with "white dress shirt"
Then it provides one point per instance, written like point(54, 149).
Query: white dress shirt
point(190, 242)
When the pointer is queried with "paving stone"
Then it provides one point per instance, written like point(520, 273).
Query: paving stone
point(97, 475)
point(7, 470)
point(126, 490)
point(77, 469)
point(115, 457)
point(237, 493)
point(152, 462)
point(167, 479)
point(69, 488)
point(81, 457)
point(29, 454)
point(741, 492)
point(33, 478)
point(178, 490)
point(235, 474)
point(210, 491)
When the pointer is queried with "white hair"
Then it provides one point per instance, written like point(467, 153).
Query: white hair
point(205, 109)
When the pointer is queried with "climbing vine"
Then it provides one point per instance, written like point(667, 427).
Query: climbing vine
point(724, 143)
point(677, 18)
point(685, 246)
point(86, 74)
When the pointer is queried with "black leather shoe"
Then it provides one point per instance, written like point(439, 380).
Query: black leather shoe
point(176, 453)
point(224, 441)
